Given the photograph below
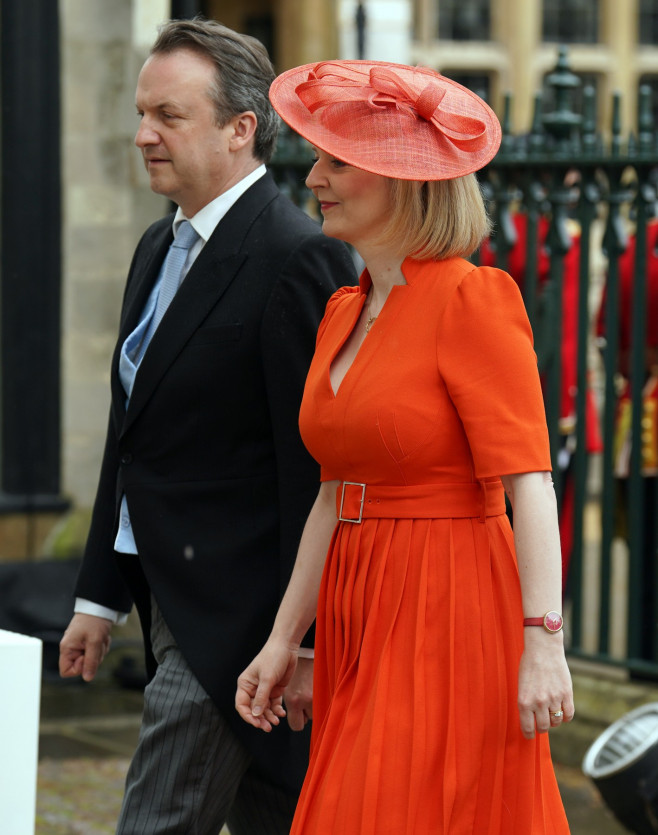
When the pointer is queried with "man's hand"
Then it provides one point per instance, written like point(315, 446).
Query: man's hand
point(298, 695)
point(83, 646)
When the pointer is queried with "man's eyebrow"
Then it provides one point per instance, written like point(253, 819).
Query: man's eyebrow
point(171, 104)
point(166, 104)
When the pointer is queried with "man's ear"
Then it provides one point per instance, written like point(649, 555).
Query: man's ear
point(244, 130)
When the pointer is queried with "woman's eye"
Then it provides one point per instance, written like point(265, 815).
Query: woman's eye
point(338, 163)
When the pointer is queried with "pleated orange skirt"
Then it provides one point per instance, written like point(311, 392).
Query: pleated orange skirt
point(415, 728)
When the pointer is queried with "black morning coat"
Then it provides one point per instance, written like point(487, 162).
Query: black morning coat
point(208, 452)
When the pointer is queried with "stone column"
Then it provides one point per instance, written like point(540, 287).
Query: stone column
point(619, 30)
point(305, 31)
point(517, 26)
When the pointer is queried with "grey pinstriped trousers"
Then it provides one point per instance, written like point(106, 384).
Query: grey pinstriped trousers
point(190, 774)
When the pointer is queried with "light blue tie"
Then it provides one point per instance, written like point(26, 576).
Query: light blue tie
point(164, 291)
point(172, 272)
point(135, 345)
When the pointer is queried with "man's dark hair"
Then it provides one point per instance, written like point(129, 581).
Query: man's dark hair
point(244, 73)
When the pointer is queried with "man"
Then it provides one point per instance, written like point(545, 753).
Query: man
point(205, 483)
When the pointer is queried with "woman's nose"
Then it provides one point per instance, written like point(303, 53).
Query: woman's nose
point(315, 176)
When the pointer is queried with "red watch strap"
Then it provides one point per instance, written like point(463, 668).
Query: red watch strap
point(552, 621)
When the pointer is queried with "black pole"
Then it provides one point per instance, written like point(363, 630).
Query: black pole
point(30, 259)
point(184, 9)
point(361, 30)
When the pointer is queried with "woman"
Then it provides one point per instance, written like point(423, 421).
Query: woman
point(433, 685)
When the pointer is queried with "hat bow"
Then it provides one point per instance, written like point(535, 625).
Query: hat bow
point(329, 83)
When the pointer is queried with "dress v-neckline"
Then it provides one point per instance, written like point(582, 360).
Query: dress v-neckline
point(365, 283)
point(340, 347)
point(373, 334)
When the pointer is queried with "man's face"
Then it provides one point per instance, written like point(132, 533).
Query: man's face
point(185, 152)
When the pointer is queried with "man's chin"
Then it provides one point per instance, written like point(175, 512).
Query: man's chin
point(158, 186)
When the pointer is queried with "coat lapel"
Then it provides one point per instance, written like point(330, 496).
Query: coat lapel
point(143, 275)
point(208, 279)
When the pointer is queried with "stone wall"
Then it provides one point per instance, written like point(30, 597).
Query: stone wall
point(107, 205)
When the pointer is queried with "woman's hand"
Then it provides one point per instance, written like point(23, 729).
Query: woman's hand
point(545, 693)
point(259, 697)
point(544, 683)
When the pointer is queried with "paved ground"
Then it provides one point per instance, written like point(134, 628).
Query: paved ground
point(79, 796)
point(82, 797)
point(88, 733)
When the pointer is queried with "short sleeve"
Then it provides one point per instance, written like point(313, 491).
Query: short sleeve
point(336, 302)
point(486, 357)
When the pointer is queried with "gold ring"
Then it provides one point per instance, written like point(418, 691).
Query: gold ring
point(556, 713)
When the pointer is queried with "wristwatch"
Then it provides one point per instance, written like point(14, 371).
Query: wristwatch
point(552, 622)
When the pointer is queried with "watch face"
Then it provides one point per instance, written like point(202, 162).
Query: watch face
point(552, 621)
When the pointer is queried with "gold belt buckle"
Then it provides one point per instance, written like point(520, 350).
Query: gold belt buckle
point(354, 521)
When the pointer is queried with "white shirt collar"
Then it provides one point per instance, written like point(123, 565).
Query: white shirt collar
point(206, 219)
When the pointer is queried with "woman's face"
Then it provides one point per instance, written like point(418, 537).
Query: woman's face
point(355, 204)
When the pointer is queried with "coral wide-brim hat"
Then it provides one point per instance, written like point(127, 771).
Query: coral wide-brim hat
point(410, 123)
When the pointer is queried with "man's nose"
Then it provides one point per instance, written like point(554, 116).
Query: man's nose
point(146, 134)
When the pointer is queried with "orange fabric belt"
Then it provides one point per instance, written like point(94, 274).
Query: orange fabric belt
point(355, 501)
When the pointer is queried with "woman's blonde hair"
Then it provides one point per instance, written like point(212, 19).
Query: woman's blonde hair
point(437, 219)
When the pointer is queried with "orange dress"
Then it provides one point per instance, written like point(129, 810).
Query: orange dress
point(419, 626)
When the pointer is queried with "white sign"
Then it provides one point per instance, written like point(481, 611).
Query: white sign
point(20, 694)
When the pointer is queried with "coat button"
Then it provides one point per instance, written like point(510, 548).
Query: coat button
point(126, 458)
